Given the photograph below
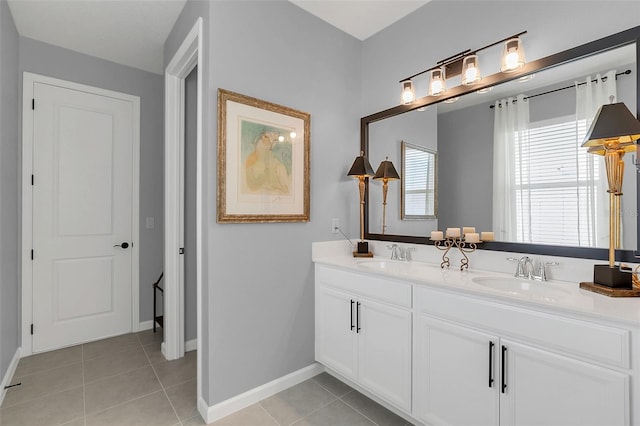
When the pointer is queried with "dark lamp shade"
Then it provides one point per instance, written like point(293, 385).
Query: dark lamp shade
point(613, 121)
point(386, 171)
point(361, 167)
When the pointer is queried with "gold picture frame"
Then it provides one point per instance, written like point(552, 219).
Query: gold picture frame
point(263, 161)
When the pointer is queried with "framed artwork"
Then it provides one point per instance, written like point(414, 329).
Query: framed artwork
point(263, 161)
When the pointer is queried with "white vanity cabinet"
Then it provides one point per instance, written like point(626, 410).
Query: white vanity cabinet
point(477, 362)
point(455, 377)
point(363, 331)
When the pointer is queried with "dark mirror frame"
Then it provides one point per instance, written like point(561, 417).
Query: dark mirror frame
point(620, 39)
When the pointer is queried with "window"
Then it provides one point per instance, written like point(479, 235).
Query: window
point(556, 185)
point(419, 199)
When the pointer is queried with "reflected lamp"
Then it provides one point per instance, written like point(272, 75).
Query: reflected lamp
point(361, 169)
point(386, 172)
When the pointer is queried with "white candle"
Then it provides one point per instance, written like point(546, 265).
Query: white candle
point(486, 236)
point(468, 230)
point(472, 237)
point(453, 232)
point(437, 236)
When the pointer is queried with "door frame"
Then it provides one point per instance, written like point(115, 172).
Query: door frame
point(187, 57)
point(29, 79)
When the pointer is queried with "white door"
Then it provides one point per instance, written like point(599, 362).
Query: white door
point(384, 351)
point(548, 389)
point(82, 210)
point(456, 379)
point(336, 330)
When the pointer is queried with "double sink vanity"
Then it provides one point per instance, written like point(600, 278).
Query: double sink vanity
point(444, 346)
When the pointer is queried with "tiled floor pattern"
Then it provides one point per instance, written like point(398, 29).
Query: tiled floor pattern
point(125, 380)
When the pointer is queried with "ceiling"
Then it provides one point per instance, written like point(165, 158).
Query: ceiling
point(360, 18)
point(133, 32)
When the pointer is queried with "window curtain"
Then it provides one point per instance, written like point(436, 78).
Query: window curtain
point(511, 128)
point(591, 94)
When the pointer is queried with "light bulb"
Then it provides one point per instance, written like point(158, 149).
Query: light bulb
point(292, 135)
point(471, 73)
point(280, 138)
point(408, 93)
point(470, 70)
point(437, 84)
point(512, 55)
point(511, 61)
point(436, 87)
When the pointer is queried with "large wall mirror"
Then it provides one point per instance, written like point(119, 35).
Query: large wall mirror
point(557, 202)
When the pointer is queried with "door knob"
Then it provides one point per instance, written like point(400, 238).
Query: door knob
point(123, 245)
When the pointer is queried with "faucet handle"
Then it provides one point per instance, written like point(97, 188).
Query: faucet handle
point(394, 251)
point(543, 269)
point(407, 253)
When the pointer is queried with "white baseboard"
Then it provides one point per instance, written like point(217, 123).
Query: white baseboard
point(8, 376)
point(145, 325)
point(191, 345)
point(238, 402)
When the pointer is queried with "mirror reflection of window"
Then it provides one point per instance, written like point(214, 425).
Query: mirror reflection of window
point(557, 184)
point(419, 195)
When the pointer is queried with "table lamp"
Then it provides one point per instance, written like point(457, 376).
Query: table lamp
point(613, 133)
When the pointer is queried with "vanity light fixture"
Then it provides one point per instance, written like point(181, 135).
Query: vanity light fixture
point(437, 83)
point(470, 70)
point(386, 172)
point(512, 55)
point(466, 65)
point(408, 92)
point(613, 132)
point(361, 169)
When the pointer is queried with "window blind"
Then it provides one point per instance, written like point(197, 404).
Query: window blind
point(555, 187)
point(419, 182)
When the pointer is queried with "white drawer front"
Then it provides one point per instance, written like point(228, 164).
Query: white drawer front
point(585, 339)
point(382, 289)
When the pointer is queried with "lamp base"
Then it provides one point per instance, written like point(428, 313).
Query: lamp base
point(611, 277)
point(363, 250)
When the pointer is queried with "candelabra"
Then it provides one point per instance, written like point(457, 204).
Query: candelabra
point(461, 244)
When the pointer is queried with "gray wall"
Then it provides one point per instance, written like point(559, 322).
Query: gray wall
point(53, 61)
point(465, 177)
point(9, 191)
point(261, 276)
point(190, 296)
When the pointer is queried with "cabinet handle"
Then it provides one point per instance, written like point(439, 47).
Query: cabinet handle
point(504, 371)
point(491, 345)
point(358, 317)
point(351, 316)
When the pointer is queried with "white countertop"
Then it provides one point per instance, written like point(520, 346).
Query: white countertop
point(561, 295)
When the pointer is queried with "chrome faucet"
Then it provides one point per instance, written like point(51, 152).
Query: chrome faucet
point(532, 270)
point(525, 268)
point(399, 253)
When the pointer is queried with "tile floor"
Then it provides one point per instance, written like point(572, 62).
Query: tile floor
point(125, 380)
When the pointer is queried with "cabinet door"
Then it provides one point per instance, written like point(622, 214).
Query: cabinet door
point(384, 351)
point(548, 389)
point(455, 376)
point(335, 340)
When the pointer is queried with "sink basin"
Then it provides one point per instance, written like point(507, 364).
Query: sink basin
point(384, 265)
point(523, 287)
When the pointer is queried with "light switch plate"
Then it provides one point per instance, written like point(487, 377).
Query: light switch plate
point(150, 223)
